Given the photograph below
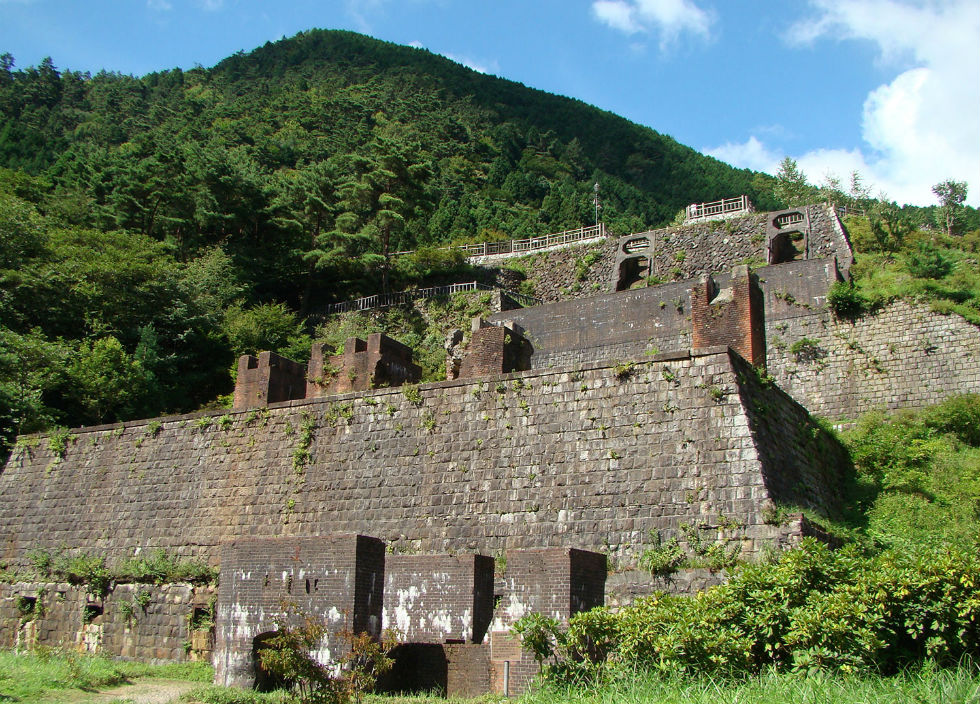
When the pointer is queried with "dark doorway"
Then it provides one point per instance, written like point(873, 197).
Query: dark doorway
point(418, 668)
point(264, 680)
point(632, 271)
point(782, 247)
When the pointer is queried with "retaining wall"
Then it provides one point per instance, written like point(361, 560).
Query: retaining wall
point(594, 458)
point(155, 623)
point(904, 356)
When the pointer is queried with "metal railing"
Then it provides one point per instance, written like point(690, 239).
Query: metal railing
point(725, 206)
point(386, 300)
point(486, 249)
point(843, 211)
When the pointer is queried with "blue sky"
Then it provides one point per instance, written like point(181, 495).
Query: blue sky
point(888, 87)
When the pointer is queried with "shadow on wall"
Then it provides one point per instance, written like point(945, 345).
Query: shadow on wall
point(419, 668)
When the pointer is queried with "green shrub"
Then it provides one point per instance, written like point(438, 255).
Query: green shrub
point(927, 262)
point(959, 416)
point(662, 557)
point(812, 609)
point(290, 657)
point(845, 300)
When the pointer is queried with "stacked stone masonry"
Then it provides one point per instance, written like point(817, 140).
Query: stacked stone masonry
point(535, 459)
point(904, 356)
point(156, 623)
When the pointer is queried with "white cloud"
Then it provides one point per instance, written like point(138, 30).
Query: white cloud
point(751, 154)
point(480, 67)
point(617, 14)
point(160, 5)
point(667, 18)
point(922, 126)
point(416, 44)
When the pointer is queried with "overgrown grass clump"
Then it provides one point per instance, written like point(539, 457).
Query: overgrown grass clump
point(91, 571)
point(923, 685)
point(27, 677)
point(928, 267)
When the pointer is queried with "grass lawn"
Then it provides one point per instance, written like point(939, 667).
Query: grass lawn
point(926, 686)
point(57, 676)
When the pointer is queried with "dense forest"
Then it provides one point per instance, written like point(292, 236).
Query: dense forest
point(153, 228)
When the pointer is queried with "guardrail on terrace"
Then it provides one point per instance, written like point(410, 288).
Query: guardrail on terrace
point(385, 300)
point(725, 206)
point(843, 211)
point(486, 249)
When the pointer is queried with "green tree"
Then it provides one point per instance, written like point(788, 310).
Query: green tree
point(890, 225)
point(106, 382)
point(791, 187)
point(951, 195)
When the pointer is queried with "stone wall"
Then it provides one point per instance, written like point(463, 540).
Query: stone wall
point(593, 457)
point(703, 248)
point(562, 274)
point(645, 321)
point(903, 356)
point(155, 623)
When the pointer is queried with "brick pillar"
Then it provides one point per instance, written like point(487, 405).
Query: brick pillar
point(734, 316)
point(555, 582)
point(338, 579)
point(267, 379)
point(494, 349)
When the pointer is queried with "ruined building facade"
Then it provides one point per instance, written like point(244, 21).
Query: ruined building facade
point(565, 436)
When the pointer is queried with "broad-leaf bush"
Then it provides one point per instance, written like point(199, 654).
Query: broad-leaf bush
point(813, 609)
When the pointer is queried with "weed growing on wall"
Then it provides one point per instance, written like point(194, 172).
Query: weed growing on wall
point(412, 394)
point(152, 567)
point(158, 566)
point(307, 432)
point(58, 441)
point(662, 558)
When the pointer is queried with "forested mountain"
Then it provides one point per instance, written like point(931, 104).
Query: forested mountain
point(328, 143)
point(153, 227)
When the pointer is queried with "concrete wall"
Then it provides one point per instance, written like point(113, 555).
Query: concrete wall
point(592, 458)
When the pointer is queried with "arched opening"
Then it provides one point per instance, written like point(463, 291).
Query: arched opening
point(418, 668)
point(632, 272)
point(783, 247)
point(636, 244)
point(265, 681)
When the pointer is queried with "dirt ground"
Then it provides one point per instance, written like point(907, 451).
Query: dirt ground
point(141, 691)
